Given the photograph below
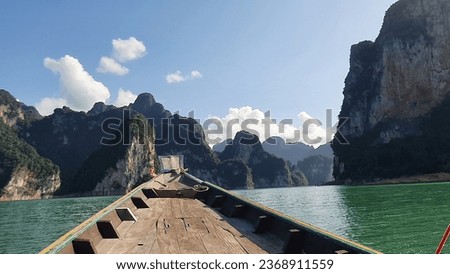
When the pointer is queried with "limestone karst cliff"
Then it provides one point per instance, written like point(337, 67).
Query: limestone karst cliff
point(176, 134)
point(109, 150)
point(397, 87)
point(265, 169)
point(24, 174)
point(92, 160)
point(118, 168)
point(63, 153)
point(14, 113)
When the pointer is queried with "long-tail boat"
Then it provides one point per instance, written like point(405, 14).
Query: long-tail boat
point(178, 213)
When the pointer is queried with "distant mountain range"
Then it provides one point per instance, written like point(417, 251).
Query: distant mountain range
point(315, 164)
point(62, 153)
point(109, 150)
point(267, 170)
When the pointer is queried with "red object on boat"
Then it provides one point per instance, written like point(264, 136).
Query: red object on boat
point(443, 241)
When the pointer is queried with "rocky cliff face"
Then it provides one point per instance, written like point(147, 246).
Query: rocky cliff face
point(265, 169)
point(177, 135)
point(129, 171)
point(14, 113)
point(315, 163)
point(116, 169)
point(318, 169)
point(244, 168)
point(99, 152)
point(404, 74)
point(109, 150)
point(394, 84)
point(24, 174)
point(25, 184)
point(67, 138)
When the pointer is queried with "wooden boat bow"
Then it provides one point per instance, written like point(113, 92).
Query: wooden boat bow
point(178, 213)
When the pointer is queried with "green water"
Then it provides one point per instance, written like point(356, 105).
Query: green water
point(392, 219)
point(30, 226)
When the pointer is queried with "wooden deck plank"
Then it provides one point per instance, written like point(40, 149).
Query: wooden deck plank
point(141, 229)
point(175, 206)
point(227, 237)
point(214, 245)
point(171, 226)
point(155, 248)
point(157, 207)
point(195, 225)
point(166, 205)
point(145, 245)
point(132, 246)
point(179, 225)
point(123, 246)
point(191, 236)
point(191, 243)
point(195, 208)
point(166, 241)
point(216, 219)
point(186, 208)
point(105, 245)
point(123, 228)
point(138, 239)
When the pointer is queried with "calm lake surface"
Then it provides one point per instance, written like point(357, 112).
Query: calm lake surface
point(30, 226)
point(392, 219)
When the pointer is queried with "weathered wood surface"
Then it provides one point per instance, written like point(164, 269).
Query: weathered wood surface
point(163, 217)
point(177, 225)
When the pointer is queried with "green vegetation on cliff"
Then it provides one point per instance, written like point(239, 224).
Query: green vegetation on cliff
point(16, 111)
point(15, 153)
point(397, 97)
point(104, 159)
point(422, 154)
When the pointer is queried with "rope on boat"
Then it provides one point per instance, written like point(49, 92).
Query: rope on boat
point(200, 188)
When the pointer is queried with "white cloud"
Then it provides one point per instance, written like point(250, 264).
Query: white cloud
point(79, 90)
point(123, 51)
point(47, 105)
point(124, 98)
point(128, 50)
point(109, 65)
point(261, 124)
point(196, 74)
point(178, 77)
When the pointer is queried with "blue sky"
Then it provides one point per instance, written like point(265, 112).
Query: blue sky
point(284, 56)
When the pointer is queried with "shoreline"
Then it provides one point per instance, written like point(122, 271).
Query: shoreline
point(415, 179)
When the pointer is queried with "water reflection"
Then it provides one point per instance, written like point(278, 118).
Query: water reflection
point(398, 218)
point(29, 226)
point(320, 206)
point(392, 219)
